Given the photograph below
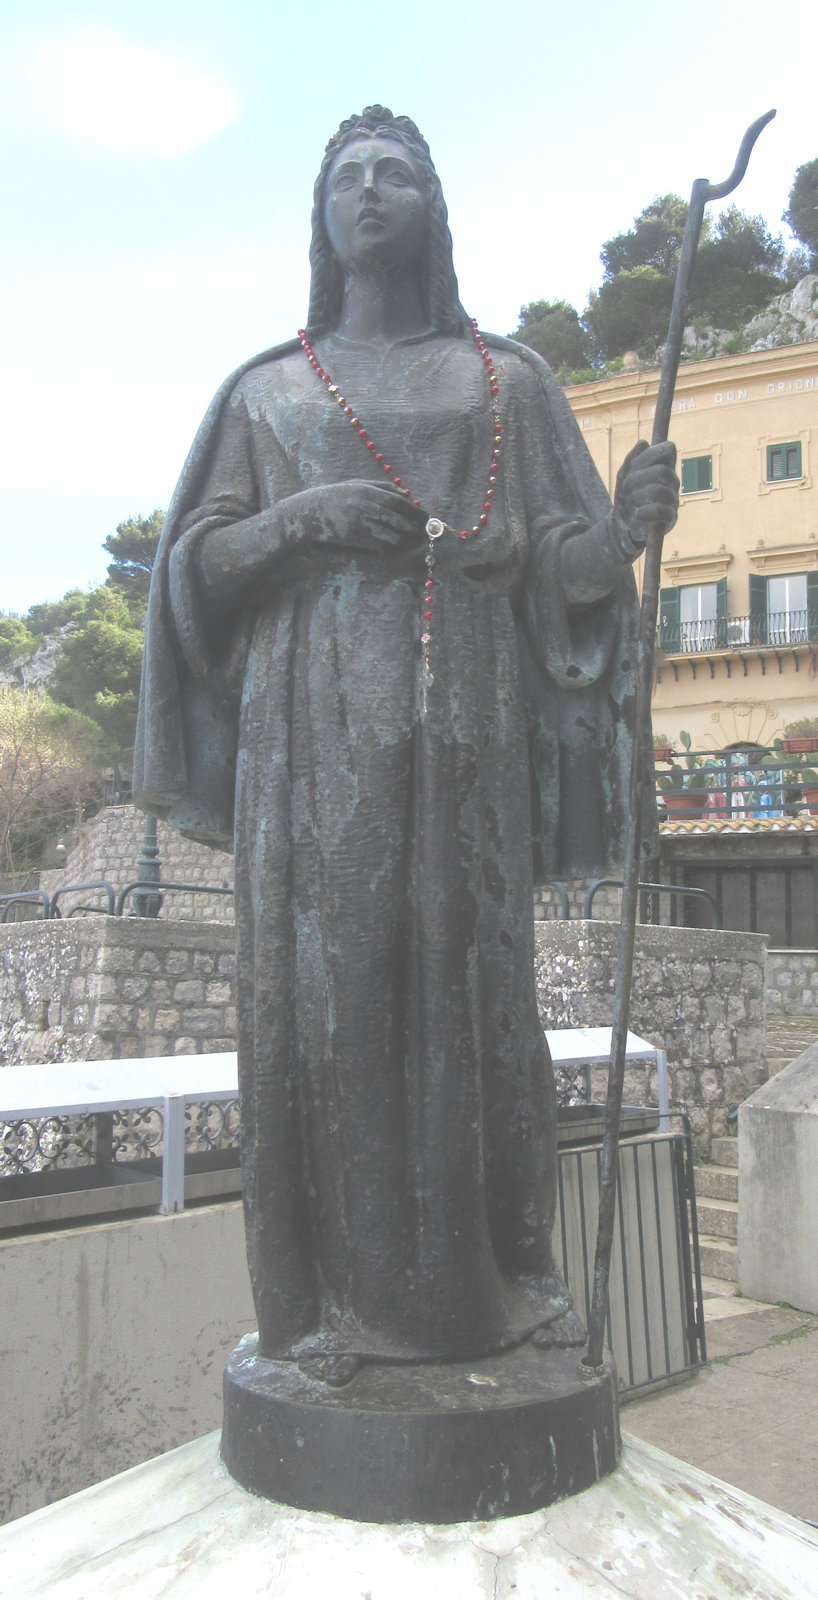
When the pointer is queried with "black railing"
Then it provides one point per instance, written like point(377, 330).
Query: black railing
point(655, 1321)
point(774, 628)
point(656, 888)
point(114, 904)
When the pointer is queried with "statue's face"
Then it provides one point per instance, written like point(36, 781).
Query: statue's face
point(375, 206)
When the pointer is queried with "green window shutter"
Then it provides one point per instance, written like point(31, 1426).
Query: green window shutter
point(697, 474)
point(758, 609)
point(669, 630)
point(721, 612)
point(792, 461)
point(812, 605)
point(783, 461)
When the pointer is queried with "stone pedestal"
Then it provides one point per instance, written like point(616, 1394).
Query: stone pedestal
point(498, 1437)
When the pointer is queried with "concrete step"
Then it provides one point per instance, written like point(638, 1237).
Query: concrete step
point(718, 1219)
point(724, 1151)
point(716, 1183)
point(719, 1258)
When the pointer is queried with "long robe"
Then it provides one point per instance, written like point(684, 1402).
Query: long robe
point(397, 1105)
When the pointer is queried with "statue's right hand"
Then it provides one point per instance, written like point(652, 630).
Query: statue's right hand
point(368, 517)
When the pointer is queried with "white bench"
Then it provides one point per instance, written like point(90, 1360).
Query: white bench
point(84, 1088)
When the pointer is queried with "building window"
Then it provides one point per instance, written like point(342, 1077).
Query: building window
point(783, 461)
point(693, 617)
point(697, 474)
point(787, 609)
point(784, 610)
point(697, 616)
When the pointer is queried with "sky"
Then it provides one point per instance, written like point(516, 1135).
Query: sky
point(157, 184)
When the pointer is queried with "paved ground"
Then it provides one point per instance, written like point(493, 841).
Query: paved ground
point(752, 1417)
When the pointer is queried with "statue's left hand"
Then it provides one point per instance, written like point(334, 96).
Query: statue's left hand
point(647, 489)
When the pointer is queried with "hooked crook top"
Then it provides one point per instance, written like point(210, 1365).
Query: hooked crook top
point(717, 191)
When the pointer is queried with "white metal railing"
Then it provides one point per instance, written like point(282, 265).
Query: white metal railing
point(31, 1096)
point(92, 1088)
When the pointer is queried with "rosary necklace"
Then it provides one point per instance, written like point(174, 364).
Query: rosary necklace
point(435, 527)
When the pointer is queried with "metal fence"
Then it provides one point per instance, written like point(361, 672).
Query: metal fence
point(735, 785)
point(65, 1143)
point(146, 894)
point(655, 1323)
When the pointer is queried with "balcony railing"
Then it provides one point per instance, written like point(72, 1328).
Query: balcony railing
point(735, 633)
point(735, 785)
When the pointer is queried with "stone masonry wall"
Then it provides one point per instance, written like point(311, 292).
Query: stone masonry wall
point(109, 847)
point(792, 982)
point(697, 994)
point(548, 901)
point(105, 988)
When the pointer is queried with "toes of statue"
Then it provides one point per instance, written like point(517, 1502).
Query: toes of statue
point(335, 1371)
point(564, 1332)
point(541, 1337)
point(340, 1370)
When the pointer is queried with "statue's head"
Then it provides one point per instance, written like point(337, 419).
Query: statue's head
point(435, 266)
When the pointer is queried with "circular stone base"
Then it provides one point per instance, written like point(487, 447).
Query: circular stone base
point(461, 1442)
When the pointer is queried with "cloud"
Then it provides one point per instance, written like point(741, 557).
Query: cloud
point(100, 88)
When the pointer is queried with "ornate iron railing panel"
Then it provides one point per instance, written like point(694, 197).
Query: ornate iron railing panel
point(42, 1144)
point(58, 1143)
point(573, 1081)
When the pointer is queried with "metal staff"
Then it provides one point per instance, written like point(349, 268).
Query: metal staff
point(702, 192)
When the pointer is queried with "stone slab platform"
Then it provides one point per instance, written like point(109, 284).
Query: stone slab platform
point(179, 1527)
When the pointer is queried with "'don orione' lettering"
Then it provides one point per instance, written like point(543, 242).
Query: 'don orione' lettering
point(791, 386)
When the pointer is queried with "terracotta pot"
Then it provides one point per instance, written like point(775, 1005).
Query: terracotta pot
point(685, 804)
point(662, 752)
point(803, 744)
point(811, 800)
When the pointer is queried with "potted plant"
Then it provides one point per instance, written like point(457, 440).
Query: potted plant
point(799, 738)
point(808, 784)
point(684, 788)
point(662, 748)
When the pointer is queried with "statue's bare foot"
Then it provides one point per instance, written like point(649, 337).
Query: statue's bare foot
point(563, 1333)
point(335, 1371)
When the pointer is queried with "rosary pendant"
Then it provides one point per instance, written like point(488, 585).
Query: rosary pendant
point(435, 530)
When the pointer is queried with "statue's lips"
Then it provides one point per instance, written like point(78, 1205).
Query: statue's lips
point(371, 216)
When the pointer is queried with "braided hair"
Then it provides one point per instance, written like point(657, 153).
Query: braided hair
point(438, 281)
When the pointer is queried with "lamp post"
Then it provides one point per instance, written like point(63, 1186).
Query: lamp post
point(147, 901)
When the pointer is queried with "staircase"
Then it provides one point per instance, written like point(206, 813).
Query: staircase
point(717, 1183)
point(717, 1208)
point(786, 1038)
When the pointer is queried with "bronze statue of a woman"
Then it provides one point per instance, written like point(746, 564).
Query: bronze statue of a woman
point(390, 654)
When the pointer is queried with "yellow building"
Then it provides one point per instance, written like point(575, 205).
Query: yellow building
point(738, 636)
